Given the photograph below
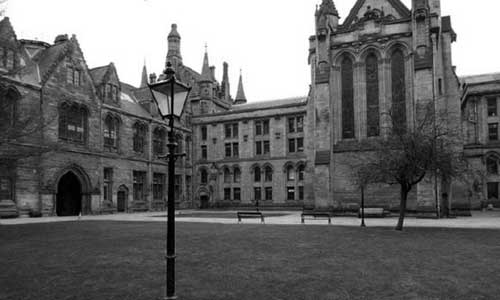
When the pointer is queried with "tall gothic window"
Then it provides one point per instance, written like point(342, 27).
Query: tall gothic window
point(73, 122)
point(139, 139)
point(256, 174)
point(203, 176)
point(372, 96)
point(111, 130)
point(398, 90)
point(347, 98)
point(7, 108)
point(236, 175)
point(159, 141)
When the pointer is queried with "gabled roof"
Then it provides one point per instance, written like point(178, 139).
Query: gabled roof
point(50, 58)
point(102, 74)
point(402, 10)
point(6, 30)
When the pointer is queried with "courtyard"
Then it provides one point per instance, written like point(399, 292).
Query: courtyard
point(102, 258)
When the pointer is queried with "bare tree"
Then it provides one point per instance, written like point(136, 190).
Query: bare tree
point(408, 155)
point(21, 130)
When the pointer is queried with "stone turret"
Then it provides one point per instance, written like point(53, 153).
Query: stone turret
point(327, 18)
point(174, 48)
point(206, 81)
point(240, 95)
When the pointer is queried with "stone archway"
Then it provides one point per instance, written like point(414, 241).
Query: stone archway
point(72, 192)
point(203, 198)
point(69, 196)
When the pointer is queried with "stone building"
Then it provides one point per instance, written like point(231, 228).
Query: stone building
point(480, 119)
point(105, 136)
point(97, 143)
point(383, 59)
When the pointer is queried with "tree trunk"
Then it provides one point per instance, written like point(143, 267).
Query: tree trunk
point(402, 208)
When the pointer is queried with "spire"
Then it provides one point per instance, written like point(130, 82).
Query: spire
point(206, 73)
point(327, 7)
point(174, 48)
point(240, 95)
point(144, 76)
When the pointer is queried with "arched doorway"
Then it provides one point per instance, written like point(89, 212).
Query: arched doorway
point(122, 199)
point(204, 198)
point(69, 195)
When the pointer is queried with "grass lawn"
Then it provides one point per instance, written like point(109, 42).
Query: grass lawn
point(112, 260)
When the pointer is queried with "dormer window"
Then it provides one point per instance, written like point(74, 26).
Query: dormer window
point(73, 76)
point(111, 92)
point(7, 58)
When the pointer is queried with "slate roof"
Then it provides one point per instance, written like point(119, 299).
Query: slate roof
point(49, 58)
point(270, 104)
point(480, 79)
point(99, 73)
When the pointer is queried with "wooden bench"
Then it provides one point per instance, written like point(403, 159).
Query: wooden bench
point(373, 212)
point(316, 215)
point(250, 215)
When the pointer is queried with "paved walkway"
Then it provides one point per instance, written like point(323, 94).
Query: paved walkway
point(486, 220)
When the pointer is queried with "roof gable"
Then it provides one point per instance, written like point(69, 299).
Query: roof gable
point(7, 33)
point(394, 8)
point(105, 74)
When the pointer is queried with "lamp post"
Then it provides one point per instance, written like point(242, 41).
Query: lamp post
point(170, 96)
point(363, 206)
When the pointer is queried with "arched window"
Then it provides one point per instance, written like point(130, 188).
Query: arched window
point(256, 174)
point(290, 173)
point(111, 132)
point(73, 122)
point(159, 141)
point(203, 176)
point(140, 132)
point(179, 139)
point(398, 90)
point(227, 175)
point(347, 98)
point(268, 174)
point(8, 108)
point(492, 165)
point(372, 95)
point(301, 170)
point(188, 148)
point(237, 175)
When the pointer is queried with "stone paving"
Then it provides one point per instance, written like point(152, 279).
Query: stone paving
point(486, 220)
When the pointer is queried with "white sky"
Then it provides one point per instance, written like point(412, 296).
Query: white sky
point(268, 39)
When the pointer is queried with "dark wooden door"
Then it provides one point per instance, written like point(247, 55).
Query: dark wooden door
point(69, 196)
point(121, 201)
point(204, 202)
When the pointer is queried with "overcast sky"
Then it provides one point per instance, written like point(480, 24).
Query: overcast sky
point(267, 39)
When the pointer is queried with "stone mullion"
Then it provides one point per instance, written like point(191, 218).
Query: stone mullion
point(360, 99)
point(337, 105)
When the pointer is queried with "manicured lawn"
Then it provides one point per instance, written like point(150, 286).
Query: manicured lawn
point(111, 260)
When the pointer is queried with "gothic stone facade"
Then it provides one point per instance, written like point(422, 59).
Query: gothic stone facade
point(383, 58)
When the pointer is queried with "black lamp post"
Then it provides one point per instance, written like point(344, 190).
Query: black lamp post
point(363, 206)
point(170, 96)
